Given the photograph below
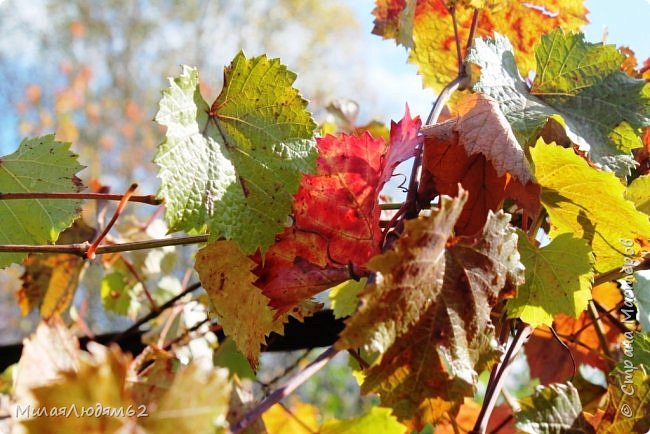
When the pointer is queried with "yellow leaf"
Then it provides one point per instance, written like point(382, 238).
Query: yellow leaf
point(589, 204)
point(242, 309)
point(301, 418)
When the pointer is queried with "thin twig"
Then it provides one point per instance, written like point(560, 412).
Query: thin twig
point(615, 321)
point(154, 313)
point(442, 99)
point(80, 249)
point(90, 253)
point(148, 199)
point(593, 313)
point(129, 266)
point(292, 384)
point(494, 387)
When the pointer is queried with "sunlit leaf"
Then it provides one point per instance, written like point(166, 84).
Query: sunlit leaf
point(588, 204)
point(234, 166)
point(430, 313)
point(553, 409)
point(558, 279)
point(602, 108)
point(39, 165)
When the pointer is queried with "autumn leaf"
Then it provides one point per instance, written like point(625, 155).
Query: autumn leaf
point(558, 280)
point(54, 374)
point(447, 163)
point(604, 219)
point(628, 408)
point(601, 108)
point(551, 362)
point(242, 309)
point(39, 165)
point(429, 314)
point(50, 281)
point(233, 167)
point(300, 418)
point(412, 274)
point(336, 215)
point(425, 27)
point(642, 297)
point(639, 192)
point(376, 420)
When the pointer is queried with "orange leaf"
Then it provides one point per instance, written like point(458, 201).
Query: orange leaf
point(550, 362)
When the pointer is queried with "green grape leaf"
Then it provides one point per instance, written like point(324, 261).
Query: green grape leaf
point(558, 280)
point(232, 168)
point(39, 165)
point(553, 409)
point(589, 204)
point(117, 295)
point(602, 108)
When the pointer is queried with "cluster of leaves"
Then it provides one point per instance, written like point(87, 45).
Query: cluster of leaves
point(528, 207)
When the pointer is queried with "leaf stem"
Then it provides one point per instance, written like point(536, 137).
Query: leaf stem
point(148, 199)
point(90, 253)
point(470, 38)
point(498, 378)
point(459, 54)
point(283, 391)
point(442, 99)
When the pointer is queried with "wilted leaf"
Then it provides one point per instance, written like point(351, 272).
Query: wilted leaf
point(628, 409)
point(602, 108)
point(50, 281)
point(553, 409)
point(39, 165)
point(234, 166)
point(411, 280)
point(558, 280)
point(425, 26)
point(430, 313)
point(589, 204)
point(196, 399)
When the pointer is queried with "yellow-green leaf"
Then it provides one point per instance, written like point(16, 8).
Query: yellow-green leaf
point(558, 279)
point(343, 297)
point(589, 204)
point(639, 192)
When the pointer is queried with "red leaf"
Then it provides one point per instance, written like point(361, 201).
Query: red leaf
point(336, 212)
